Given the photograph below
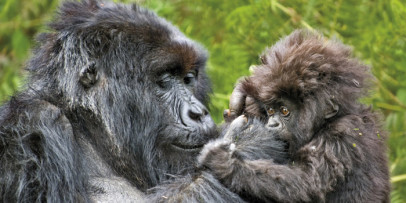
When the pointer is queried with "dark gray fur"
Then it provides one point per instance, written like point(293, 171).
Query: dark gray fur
point(107, 102)
point(252, 144)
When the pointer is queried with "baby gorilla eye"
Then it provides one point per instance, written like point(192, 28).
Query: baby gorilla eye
point(284, 111)
point(190, 78)
point(271, 111)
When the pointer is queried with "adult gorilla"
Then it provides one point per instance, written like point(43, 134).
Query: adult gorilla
point(115, 102)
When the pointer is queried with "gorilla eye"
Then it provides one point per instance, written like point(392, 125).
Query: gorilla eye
point(164, 80)
point(271, 111)
point(190, 78)
point(284, 111)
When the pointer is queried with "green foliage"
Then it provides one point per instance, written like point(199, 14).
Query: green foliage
point(19, 22)
point(236, 32)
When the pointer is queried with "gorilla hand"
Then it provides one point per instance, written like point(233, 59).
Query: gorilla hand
point(236, 105)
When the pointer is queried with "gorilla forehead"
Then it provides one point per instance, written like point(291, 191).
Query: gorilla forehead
point(90, 14)
point(132, 35)
point(137, 24)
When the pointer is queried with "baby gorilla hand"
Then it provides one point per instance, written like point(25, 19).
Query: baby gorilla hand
point(216, 155)
point(244, 139)
point(236, 128)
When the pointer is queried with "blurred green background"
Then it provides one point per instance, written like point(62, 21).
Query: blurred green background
point(236, 32)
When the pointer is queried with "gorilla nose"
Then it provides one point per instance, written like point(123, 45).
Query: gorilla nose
point(273, 124)
point(194, 112)
point(197, 114)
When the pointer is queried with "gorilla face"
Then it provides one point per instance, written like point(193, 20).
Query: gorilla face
point(178, 82)
point(187, 117)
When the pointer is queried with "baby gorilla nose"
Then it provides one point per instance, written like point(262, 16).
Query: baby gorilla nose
point(273, 124)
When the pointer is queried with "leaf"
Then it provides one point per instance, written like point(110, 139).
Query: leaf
point(20, 44)
point(401, 94)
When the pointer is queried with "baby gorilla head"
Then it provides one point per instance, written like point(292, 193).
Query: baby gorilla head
point(304, 83)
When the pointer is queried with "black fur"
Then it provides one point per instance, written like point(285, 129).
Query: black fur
point(236, 144)
point(114, 105)
point(335, 145)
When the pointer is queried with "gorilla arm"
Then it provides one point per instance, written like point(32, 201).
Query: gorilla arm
point(317, 167)
point(200, 187)
point(38, 155)
point(36, 138)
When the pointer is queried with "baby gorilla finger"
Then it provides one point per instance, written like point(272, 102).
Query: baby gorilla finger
point(237, 100)
point(236, 127)
point(229, 115)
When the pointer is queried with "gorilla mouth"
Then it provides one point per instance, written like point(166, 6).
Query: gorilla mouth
point(187, 147)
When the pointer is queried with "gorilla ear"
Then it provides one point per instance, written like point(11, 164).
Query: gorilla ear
point(88, 75)
point(331, 109)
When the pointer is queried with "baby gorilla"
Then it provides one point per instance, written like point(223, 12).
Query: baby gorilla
point(306, 94)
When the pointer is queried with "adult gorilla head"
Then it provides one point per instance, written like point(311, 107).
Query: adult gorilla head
point(132, 87)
